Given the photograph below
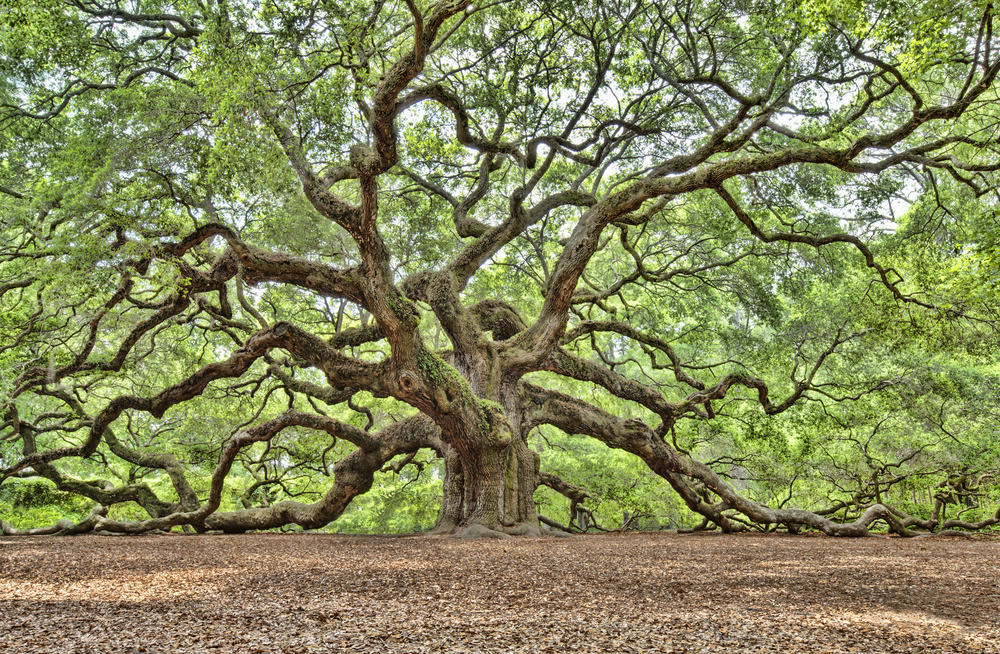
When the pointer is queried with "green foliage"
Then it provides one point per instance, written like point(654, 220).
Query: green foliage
point(616, 482)
point(29, 504)
point(120, 137)
point(402, 503)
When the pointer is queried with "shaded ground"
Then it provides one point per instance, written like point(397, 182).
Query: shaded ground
point(622, 593)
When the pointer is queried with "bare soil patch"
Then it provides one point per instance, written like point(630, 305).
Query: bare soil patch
point(611, 593)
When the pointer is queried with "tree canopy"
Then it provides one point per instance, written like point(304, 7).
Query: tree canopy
point(258, 256)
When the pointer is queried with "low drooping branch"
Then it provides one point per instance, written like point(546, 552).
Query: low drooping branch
point(574, 416)
point(352, 476)
point(340, 370)
point(62, 528)
point(163, 461)
point(102, 492)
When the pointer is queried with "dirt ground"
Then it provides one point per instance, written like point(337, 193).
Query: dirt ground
point(610, 593)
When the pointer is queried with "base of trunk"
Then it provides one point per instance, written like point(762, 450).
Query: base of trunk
point(480, 501)
point(478, 530)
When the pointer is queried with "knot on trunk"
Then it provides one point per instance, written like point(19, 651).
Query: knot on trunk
point(499, 318)
point(494, 423)
point(414, 287)
point(469, 228)
point(364, 159)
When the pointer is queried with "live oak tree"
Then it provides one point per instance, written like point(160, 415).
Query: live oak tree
point(226, 221)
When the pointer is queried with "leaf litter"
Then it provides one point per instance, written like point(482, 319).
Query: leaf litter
point(659, 593)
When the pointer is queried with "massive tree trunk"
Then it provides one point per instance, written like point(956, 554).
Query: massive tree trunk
point(492, 487)
point(490, 472)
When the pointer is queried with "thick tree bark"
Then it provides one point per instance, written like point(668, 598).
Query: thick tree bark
point(492, 488)
point(490, 478)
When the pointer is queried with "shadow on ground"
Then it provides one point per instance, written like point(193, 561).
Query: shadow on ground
point(622, 593)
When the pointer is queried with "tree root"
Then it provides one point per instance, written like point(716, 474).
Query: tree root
point(476, 530)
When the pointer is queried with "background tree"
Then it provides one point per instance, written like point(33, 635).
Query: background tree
point(239, 237)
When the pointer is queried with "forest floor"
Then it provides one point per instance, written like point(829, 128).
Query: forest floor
point(609, 593)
